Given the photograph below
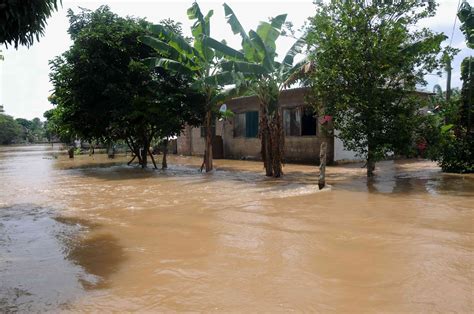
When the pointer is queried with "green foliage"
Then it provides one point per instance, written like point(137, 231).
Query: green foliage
point(467, 93)
point(10, 130)
point(199, 61)
point(32, 130)
point(455, 151)
point(103, 91)
point(367, 59)
point(466, 16)
point(265, 77)
point(21, 22)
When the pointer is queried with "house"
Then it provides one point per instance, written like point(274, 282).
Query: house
point(237, 138)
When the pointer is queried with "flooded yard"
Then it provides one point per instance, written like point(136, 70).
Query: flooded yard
point(92, 234)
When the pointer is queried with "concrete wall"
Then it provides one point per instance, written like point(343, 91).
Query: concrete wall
point(341, 154)
point(297, 148)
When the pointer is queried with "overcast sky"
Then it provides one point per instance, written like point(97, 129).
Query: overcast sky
point(24, 80)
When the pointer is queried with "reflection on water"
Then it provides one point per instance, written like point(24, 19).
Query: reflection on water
point(45, 263)
point(97, 235)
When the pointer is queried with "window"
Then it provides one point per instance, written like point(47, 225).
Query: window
point(308, 122)
point(203, 131)
point(239, 125)
point(299, 122)
point(246, 124)
point(292, 122)
point(251, 124)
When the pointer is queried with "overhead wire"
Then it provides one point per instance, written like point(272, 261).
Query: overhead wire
point(454, 24)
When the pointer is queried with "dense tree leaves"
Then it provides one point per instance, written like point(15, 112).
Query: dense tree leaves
point(32, 130)
point(455, 150)
point(466, 16)
point(21, 21)
point(104, 91)
point(10, 130)
point(368, 57)
point(199, 61)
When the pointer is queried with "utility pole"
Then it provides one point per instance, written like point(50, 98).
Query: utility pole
point(448, 79)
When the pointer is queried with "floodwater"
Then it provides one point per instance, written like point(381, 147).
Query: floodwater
point(91, 234)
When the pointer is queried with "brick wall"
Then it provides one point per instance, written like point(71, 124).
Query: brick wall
point(297, 148)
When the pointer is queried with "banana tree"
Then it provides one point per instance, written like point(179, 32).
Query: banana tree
point(199, 61)
point(267, 78)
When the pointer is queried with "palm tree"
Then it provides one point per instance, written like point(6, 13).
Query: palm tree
point(200, 61)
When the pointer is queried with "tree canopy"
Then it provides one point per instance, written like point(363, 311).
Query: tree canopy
point(198, 61)
point(368, 57)
point(103, 91)
point(21, 22)
point(10, 130)
point(265, 77)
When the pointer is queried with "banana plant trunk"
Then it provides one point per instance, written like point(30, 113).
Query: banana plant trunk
point(208, 150)
point(265, 141)
point(272, 140)
point(277, 143)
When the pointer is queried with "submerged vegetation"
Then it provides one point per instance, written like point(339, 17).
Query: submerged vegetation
point(104, 91)
point(367, 61)
point(126, 79)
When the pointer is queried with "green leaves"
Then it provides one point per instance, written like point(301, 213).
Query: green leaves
point(297, 48)
point(176, 41)
point(466, 16)
point(446, 128)
point(227, 52)
point(220, 79)
point(234, 23)
point(244, 67)
point(269, 32)
point(365, 59)
point(21, 22)
point(169, 64)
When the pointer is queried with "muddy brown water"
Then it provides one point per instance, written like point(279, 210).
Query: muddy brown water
point(91, 234)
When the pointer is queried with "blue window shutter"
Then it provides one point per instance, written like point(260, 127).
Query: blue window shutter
point(251, 125)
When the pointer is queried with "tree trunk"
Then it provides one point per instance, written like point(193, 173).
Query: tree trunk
point(370, 168)
point(164, 163)
point(144, 153)
point(370, 163)
point(265, 141)
point(133, 158)
point(110, 150)
point(277, 142)
point(208, 150)
point(322, 165)
point(152, 158)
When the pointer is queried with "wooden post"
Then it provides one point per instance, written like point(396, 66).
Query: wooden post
point(70, 151)
point(322, 165)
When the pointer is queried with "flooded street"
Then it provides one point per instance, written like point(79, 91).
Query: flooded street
point(92, 234)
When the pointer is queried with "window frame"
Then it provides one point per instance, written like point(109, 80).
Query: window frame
point(299, 112)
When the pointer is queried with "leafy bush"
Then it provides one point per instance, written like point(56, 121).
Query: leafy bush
point(455, 150)
point(10, 130)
